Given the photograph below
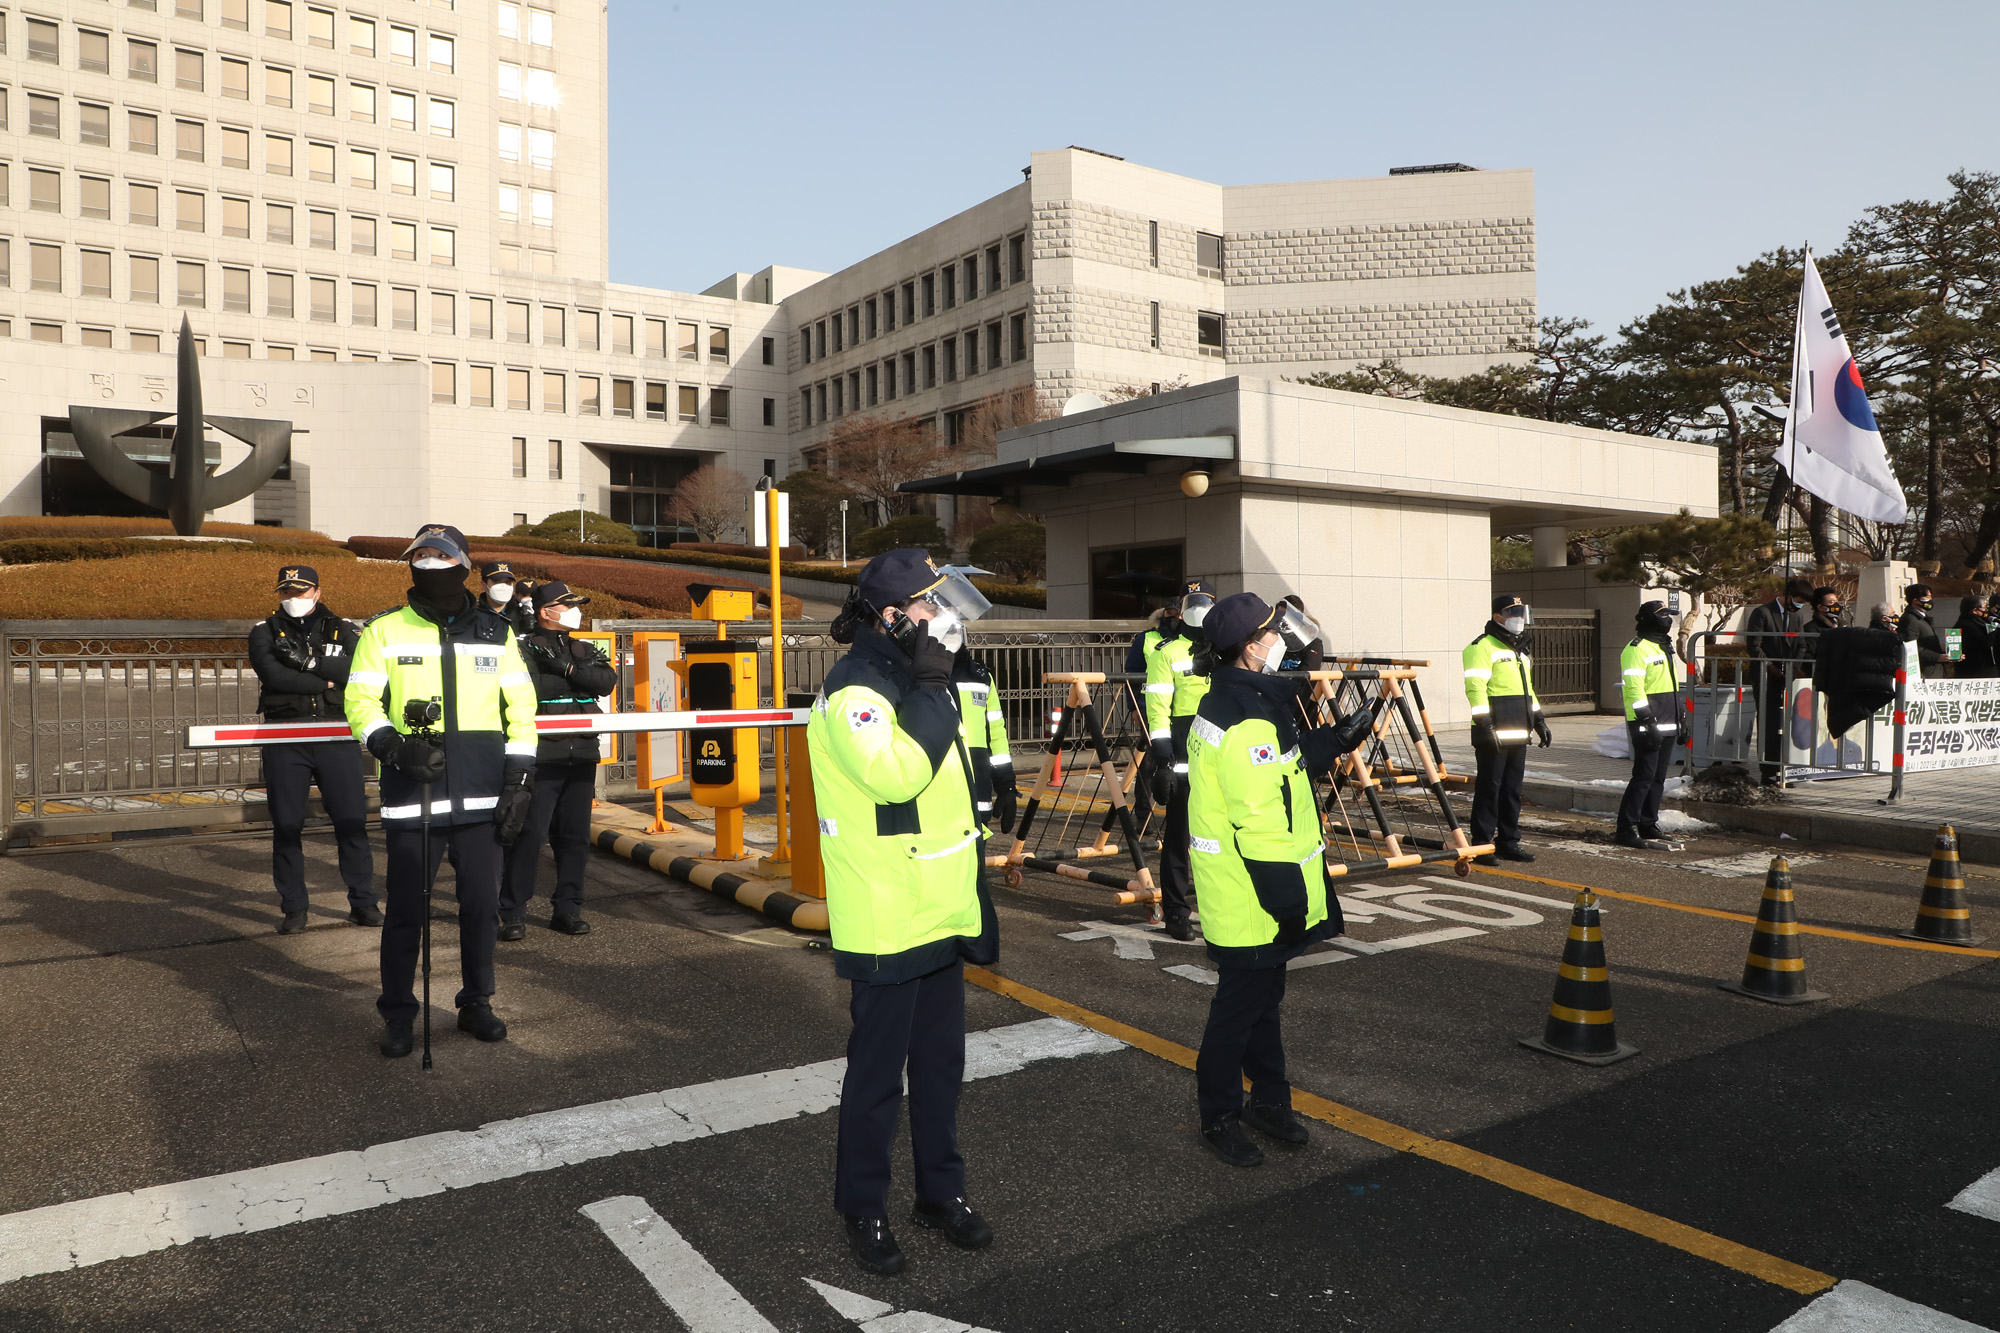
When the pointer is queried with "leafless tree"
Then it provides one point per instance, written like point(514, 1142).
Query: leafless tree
point(714, 501)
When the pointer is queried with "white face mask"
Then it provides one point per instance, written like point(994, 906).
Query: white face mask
point(1514, 624)
point(570, 617)
point(947, 629)
point(500, 594)
point(1273, 655)
point(432, 562)
point(298, 608)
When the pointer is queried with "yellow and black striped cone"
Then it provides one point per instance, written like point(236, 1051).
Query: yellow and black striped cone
point(1580, 1025)
point(1776, 968)
point(1944, 916)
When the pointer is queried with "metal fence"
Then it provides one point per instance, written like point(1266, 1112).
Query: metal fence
point(1566, 666)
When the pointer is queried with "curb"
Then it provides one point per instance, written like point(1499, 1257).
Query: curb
point(1889, 833)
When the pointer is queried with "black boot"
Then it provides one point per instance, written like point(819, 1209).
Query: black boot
point(513, 930)
point(367, 914)
point(396, 1039)
point(1226, 1139)
point(874, 1245)
point(1275, 1122)
point(569, 923)
point(1180, 928)
point(293, 924)
point(961, 1226)
point(479, 1019)
point(1513, 851)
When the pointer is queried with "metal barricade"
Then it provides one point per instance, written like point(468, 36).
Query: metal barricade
point(1754, 705)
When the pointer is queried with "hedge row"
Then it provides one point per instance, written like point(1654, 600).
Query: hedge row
point(51, 525)
point(738, 548)
point(62, 550)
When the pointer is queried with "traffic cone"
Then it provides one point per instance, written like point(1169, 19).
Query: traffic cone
point(1944, 916)
point(1776, 968)
point(1580, 1025)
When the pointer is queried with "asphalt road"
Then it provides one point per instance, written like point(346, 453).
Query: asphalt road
point(160, 1033)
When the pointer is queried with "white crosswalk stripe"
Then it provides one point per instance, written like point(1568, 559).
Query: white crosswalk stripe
point(1856, 1307)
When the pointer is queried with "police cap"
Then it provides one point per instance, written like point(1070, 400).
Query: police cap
point(1507, 602)
point(557, 592)
point(895, 577)
point(497, 571)
point(297, 578)
point(1237, 619)
point(441, 537)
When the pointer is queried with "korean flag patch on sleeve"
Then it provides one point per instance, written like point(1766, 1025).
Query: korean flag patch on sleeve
point(1263, 754)
point(866, 715)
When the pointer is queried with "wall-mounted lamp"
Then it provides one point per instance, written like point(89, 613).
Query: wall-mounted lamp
point(1194, 483)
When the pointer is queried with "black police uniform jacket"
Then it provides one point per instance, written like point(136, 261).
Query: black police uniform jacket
point(281, 648)
point(570, 676)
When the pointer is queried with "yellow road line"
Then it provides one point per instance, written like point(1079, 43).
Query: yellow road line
point(1829, 931)
point(1757, 1264)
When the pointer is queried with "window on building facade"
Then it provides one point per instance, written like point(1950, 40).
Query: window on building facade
point(690, 403)
point(909, 302)
point(443, 118)
point(93, 51)
point(510, 143)
point(770, 348)
point(950, 360)
point(509, 205)
point(236, 290)
point(555, 460)
point(656, 338)
point(538, 88)
point(444, 181)
point(889, 380)
point(690, 342)
point(94, 268)
point(403, 308)
point(621, 398)
point(143, 205)
point(805, 407)
point(44, 190)
point(361, 304)
point(621, 334)
point(142, 62)
point(319, 28)
point(361, 103)
point(277, 86)
point(190, 211)
point(552, 325)
point(444, 382)
point(321, 90)
point(517, 321)
point(402, 110)
point(93, 197)
point(319, 162)
point(481, 386)
point(142, 132)
point(507, 83)
point(1208, 333)
point(930, 294)
point(970, 344)
point(853, 325)
point(402, 45)
point(361, 234)
point(145, 342)
point(587, 401)
point(1208, 254)
point(93, 123)
point(819, 400)
point(45, 333)
point(360, 168)
point(235, 79)
point(1153, 318)
point(770, 411)
point(587, 323)
point(909, 373)
point(189, 140)
point(236, 217)
point(656, 402)
point(542, 207)
point(819, 340)
point(718, 406)
point(188, 72)
point(971, 270)
point(520, 455)
point(44, 116)
point(44, 41)
point(278, 223)
point(95, 337)
point(479, 317)
point(235, 147)
point(278, 19)
point(360, 35)
point(319, 294)
point(444, 313)
point(950, 275)
point(403, 175)
point(319, 229)
point(993, 345)
point(519, 385)
point(930, 366)
point(718, 345)
point(277, 155)
point(874, 385)
point(278, 295)
point(144, 271)
point(555, 392)
point(192, 282)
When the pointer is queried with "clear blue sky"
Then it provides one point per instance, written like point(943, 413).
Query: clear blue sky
point(1669, 142)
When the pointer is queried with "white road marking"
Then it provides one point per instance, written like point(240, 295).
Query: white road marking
point(875, 1317)
point(1318, 959)
point(701, 1297)
point(1856, 1307)
point(1199, 975)
point(1981, 1198)
point(116, 1226)
point(1461, 885)
point(1130, 942)
point(1408, 941)
point(1487, 913)
point(1744, 864)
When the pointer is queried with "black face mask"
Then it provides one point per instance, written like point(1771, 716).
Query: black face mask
point(439, 587)
point(1663, 624)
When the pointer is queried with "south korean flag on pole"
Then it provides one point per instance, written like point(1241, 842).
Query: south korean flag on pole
point(1831, 445)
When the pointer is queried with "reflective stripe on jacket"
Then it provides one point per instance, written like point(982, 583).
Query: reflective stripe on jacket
point(897, 831)
point(488, 706)
point(983, 728)
point(1256, 848)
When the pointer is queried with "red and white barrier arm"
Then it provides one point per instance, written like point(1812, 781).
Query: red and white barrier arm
point(241, 734)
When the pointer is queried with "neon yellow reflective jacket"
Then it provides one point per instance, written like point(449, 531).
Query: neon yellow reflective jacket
point(893, 785)
point(983, 728)
point(1646, 672)
point(1257, 851)
point(1500, 684)
point(487, 698)
point(1173, 687)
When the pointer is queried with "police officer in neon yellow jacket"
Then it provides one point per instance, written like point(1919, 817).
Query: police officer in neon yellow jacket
point(1500, 686)
point(1174, 689)
point(1652, 724)
point(901, 843)
point(1259, 863)
point(445, 648)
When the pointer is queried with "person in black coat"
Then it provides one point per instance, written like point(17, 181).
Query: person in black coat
point(301, 656)
point(1916, 627)
point(570, 676)
point(1772, 630)
point(1975, 638)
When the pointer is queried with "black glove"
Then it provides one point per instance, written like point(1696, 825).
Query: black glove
point(510, 816)
point(1482, 734)
point(1160, 785)
point(1645, 737)
point(547, 660)
point(584, 650)
point(418, 758)
point(1290, 931)
point(292, 653)
point(931, 663)
point(1006, 803)
point(1162, 751)
point(1542, 732)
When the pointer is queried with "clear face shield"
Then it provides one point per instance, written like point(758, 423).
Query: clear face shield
point(957, 604)
point(1295, 627)
point(1195, 608)
point(1517, 618)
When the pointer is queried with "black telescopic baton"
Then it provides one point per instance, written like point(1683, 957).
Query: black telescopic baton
point(424, 845)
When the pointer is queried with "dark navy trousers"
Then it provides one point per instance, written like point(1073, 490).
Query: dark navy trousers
point(920, 1024)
